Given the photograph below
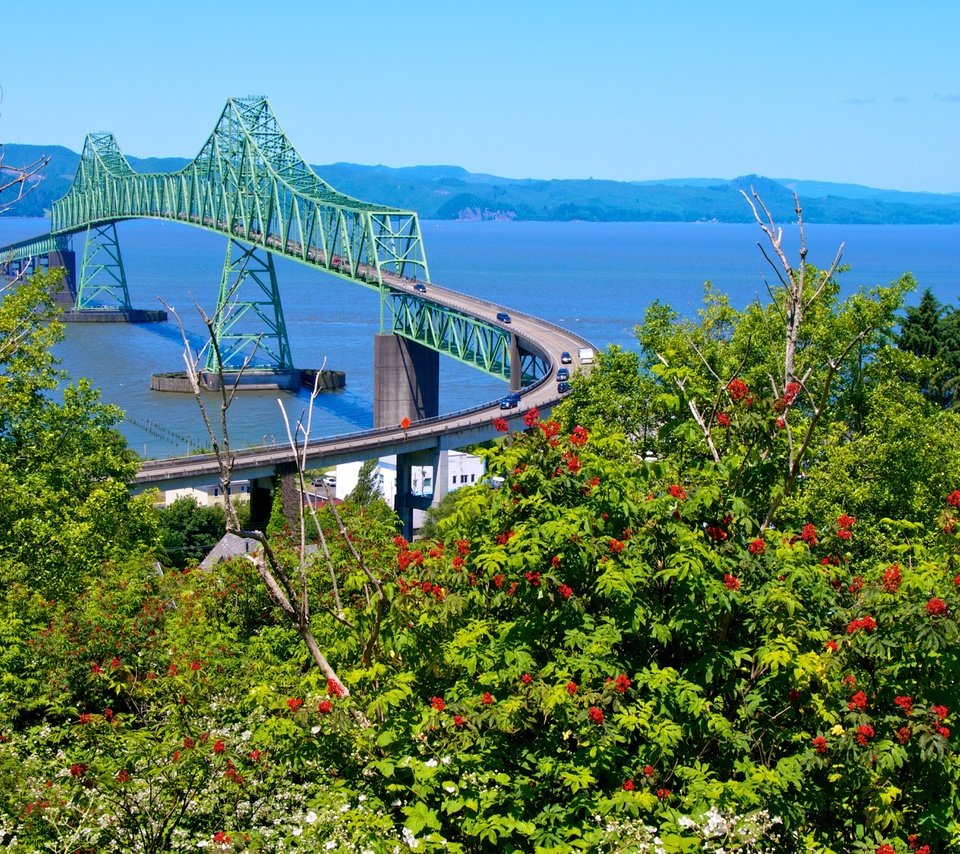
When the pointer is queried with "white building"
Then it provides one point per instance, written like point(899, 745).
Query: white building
point(210, 495)
point(462, 469)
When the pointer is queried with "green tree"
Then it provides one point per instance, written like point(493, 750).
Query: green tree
point(188, 531)
point(931, 331)
point(64, 468)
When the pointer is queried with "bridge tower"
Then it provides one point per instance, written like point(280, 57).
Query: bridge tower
point(248, 324)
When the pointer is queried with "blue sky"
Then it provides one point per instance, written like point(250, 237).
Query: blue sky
point(854, 92)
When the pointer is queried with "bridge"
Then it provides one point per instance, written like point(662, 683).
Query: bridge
point(249, 183)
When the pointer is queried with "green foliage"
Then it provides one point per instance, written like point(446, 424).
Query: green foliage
point(188, 531)
point(608, 650)
point(931, 331)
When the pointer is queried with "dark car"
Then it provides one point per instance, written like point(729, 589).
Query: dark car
point(511, 401)
point(563, 375)
point(503, 317)
point(563, 388)
point(565, 358)
point(421, 287)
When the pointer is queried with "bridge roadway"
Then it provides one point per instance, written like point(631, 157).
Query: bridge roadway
point(444, 432)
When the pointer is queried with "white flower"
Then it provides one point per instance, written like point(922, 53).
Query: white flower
point(410, 839)
point(431, 763)
point(449, 788)
point(445, 760)
point(315, 729)
point(345, 807)
point(297, 831)
point(330, 844)
point(361, 798)
point(245, 735)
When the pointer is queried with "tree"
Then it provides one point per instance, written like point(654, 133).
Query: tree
point(188, 531)
point(64, 468)
point(931, 331)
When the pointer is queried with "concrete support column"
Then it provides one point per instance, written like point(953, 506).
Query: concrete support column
point(66, 259)
point(406, 381)
point(516, 368)
point(405, 502)
point(261, 503)
point(441, 477)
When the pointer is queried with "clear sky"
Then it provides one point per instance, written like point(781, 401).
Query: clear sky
point(855, 92)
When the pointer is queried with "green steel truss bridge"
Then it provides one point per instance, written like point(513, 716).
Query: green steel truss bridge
point(249, 183)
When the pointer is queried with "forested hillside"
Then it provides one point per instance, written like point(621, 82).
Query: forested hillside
point(448, 192)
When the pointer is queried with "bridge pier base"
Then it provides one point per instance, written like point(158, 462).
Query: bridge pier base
point(406, 381)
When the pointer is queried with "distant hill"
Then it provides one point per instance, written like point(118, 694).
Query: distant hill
point(450, 192)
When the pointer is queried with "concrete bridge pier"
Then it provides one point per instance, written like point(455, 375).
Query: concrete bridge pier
point(406, 381)
point(406, 384)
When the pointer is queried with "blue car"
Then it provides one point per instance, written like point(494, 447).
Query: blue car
point(503, 317)
point(421, 287)
point(563, 375)
point(563, 388)
point(511, 401)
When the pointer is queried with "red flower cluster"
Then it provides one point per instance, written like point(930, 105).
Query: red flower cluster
point(463, 547)
point(757, 547)
point(596, 715)
point(621, 683)
point(572, 688)
point(886, 849)
point(820, 744)
point(78, 769)
point(858, 702)
point(221, 838)
point(487, 698)
point(294, 704)
point(856, 584)
point(565, 591)
point(832, 645)
point(500, 425)
point(526, 679)
point(936, 607)
point(940, 711)
point(737, 389)
point(573, 463)
point(324, 707)
point(579, 436)
point(532, 418)
point(731, 582)
point(438, 703)
point(188, 743)
point(905, 704)
point(628, 786)
point(334, 688)
point(503, 539)
point(723, 419)
point(86, 718)
point(123, 776)
point(845, 522)
point(892, 578)
point(219, 746)
point(903, 734)
point(864, 734)
point(809, 534)
point(953, 499)
point(254, 755)
point(648, 770)
point(533, 578)
point(550, 428)
point(663, 794)
point(458, 562)
point(678, 492)
point(616, 546)
point(459, 720)
point(716, 533)
point(867, 623)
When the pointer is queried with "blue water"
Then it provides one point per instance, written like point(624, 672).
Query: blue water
point(594, 278)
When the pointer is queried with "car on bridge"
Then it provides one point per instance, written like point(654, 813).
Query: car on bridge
point(420, 287)
point(503, 317)
point(563, 375)
point(511, 401)
point(565, 358)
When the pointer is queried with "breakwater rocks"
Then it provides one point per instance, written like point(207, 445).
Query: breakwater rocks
point(178, 382)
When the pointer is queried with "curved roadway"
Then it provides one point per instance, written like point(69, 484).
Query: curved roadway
point(453, 430)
